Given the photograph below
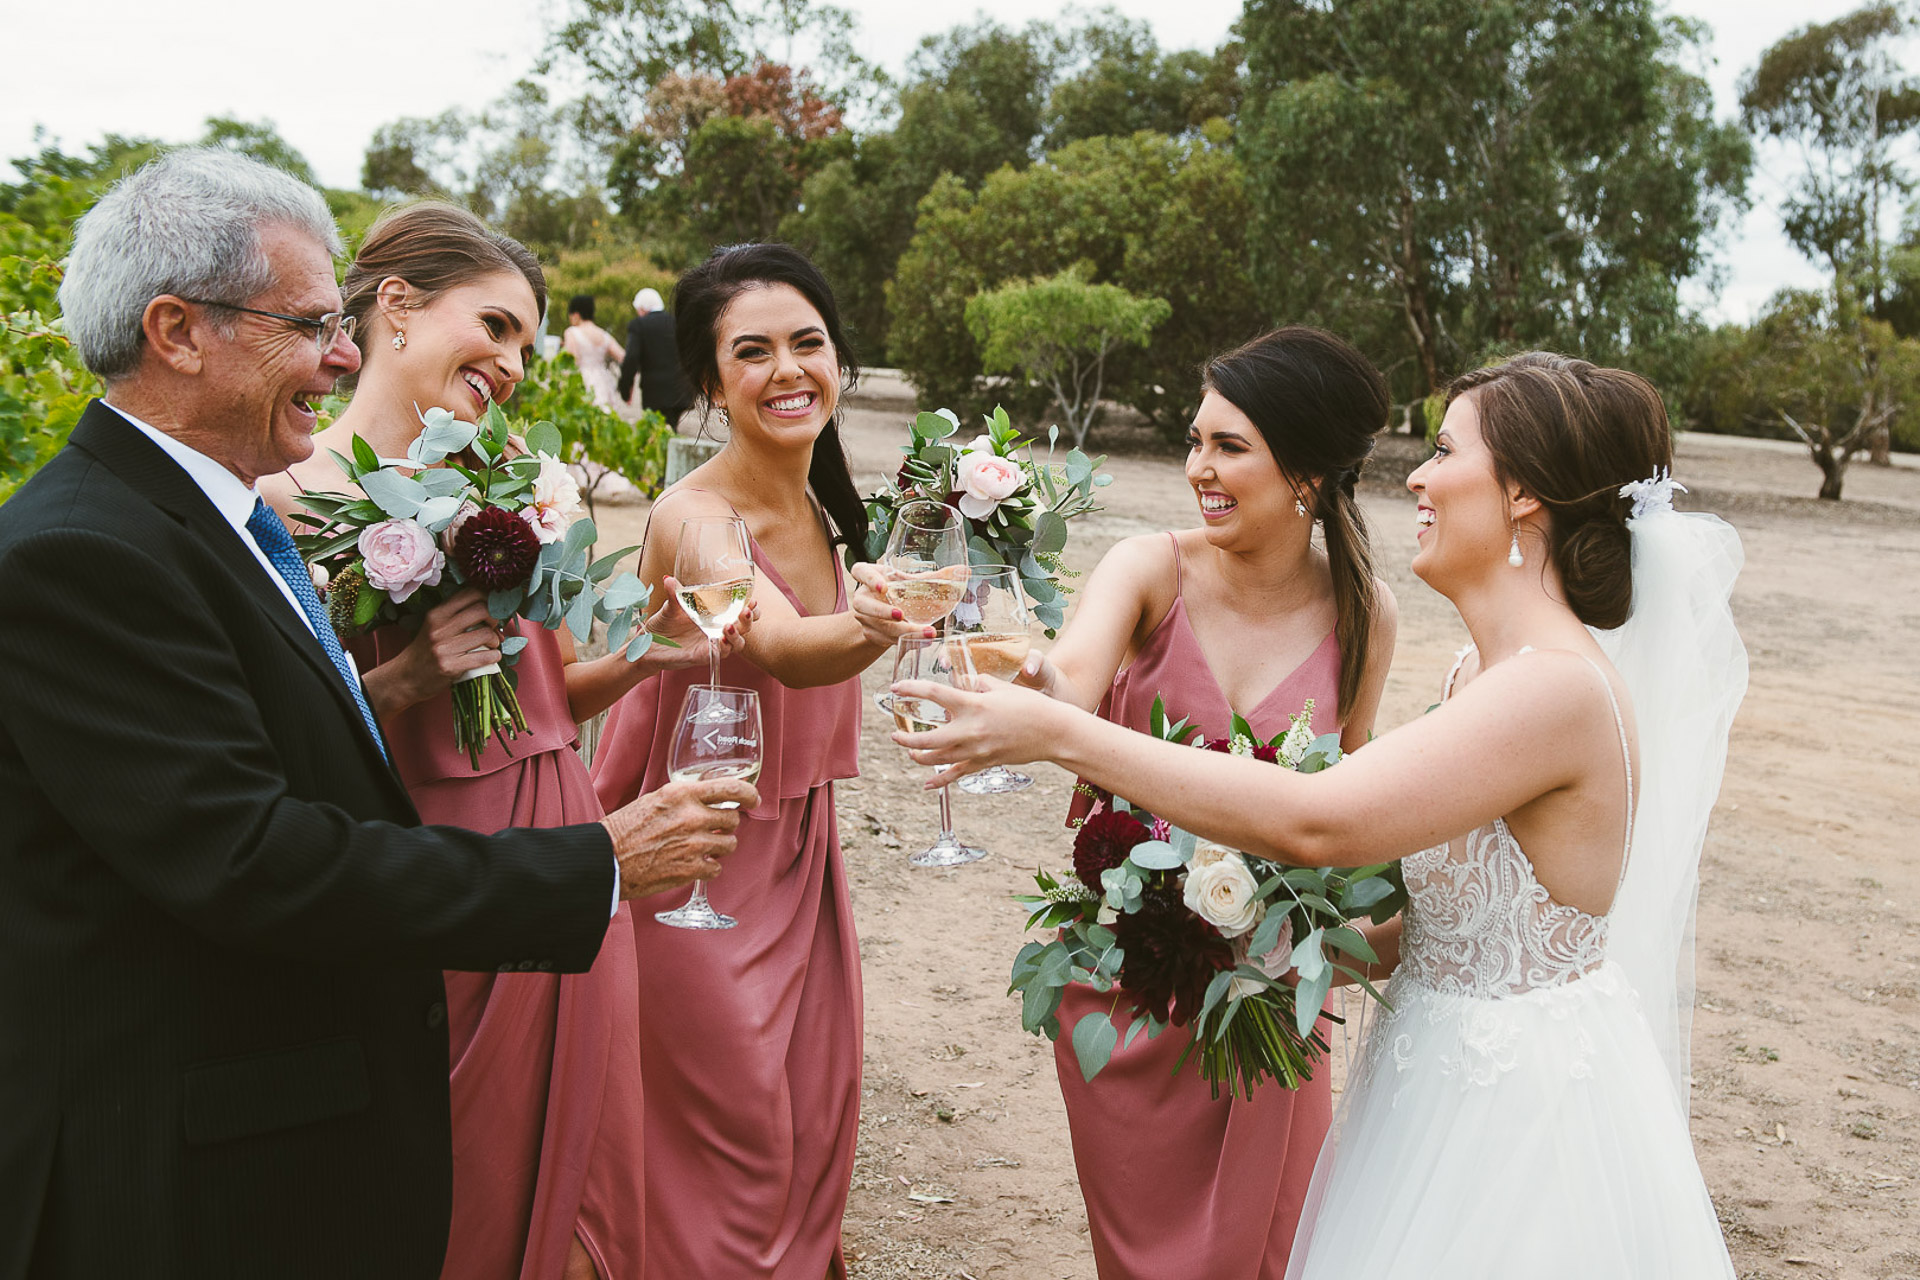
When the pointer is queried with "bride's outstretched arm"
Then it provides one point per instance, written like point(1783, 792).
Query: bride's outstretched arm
point(1523, 729)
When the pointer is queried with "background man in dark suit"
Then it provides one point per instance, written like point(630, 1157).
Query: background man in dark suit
point(654, 359)
point(222, 1038)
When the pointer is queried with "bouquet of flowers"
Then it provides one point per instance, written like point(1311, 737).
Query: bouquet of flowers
point(1016, 507)
point(465, 506)
point(1197, 935)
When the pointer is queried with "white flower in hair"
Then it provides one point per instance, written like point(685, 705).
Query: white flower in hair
point(1655, 493)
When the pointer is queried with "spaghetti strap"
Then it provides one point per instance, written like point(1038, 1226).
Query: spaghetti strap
point(1179, 587)
point(1626, 758)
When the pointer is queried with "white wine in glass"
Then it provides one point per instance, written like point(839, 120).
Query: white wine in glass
point(718, 737)
point(918, 658)
point(926, 563)
point(714, 566)
point(991, 629)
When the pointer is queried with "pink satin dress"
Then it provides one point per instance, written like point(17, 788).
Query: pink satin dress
point(1178, 1183)
point(752, 1037)
point(545, 1067)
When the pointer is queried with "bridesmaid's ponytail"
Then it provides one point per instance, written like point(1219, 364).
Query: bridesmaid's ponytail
point(1318, 404)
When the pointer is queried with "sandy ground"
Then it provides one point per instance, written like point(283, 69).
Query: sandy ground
point(1806, 1105)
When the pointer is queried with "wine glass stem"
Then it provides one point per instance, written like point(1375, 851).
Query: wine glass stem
point(713, 662)
point(698, 900)
point(946, 817)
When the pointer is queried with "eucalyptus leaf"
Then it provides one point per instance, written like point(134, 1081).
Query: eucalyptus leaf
point(1310, 997)
point(437, 513)
point(1308, 957)
point(1353, 942)
point(640, 644)
point(580, 617)
point(397, 495)
point(1156, 855)
point(1094, 1037)
point(1049, 534)
point(502, 604)
point(512, 645)
point(544, 437)
point(1361, 894)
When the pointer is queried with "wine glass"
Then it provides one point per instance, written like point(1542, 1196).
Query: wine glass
point(714, 567)
point(925, 565)
point(918, 658)
point(990, 628)
point(708, 745)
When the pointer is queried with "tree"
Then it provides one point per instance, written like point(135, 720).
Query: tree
point(1160, 217)
point(1059, 332)
point(1437, 178)
point(1112, 79)
point(44, 387)
point(262, 141)
point(1835, 90)
point(1798, 373)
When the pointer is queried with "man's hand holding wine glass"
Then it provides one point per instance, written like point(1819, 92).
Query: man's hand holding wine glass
point(677, 834)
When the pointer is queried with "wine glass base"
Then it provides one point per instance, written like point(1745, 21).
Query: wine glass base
point(946, 853)
point(997, 781)
point(695, 915)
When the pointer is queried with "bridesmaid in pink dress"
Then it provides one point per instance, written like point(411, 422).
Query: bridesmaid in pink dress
point(1243, 614)
point(548, 1175)
point(752, 1037)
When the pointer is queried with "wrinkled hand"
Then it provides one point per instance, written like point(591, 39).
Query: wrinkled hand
point(672, 622)
point(673, 836)
point(878, 618)
point(991, 722)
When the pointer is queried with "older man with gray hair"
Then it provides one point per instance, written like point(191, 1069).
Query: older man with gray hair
point(221, 924)
point(653, 357)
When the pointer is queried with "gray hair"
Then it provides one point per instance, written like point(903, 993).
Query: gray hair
point(648, 300)
point(186, 224)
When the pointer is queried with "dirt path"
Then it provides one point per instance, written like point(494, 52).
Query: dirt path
point(1806, 1107)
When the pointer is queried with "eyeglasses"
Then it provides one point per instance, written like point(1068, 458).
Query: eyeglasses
point(325, 328)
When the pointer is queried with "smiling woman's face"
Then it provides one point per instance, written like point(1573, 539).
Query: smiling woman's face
point(466, 345)
point(1462, 522)
point(1241, 490)
point(779, 374)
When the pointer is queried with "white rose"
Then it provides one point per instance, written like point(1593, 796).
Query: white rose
point(1220, 889)
point(981, 444)
point(985, 482)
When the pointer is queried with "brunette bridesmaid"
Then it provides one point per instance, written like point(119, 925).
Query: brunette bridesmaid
point(1246, 613)
point(752, 1037)
point(548, 1176)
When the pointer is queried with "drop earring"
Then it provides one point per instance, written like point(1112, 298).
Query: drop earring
point(399, 339)
point(1514, 557)
point(1299, 507)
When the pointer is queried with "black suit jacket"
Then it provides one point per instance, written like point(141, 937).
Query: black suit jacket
point(223, 1046)
point(655, 360)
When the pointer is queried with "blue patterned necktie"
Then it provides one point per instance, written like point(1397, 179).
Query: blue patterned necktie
point(277, 543)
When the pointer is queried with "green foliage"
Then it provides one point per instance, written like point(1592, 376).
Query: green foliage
point(1117, 81)
point(1798, 374)
point(1059, 330)
point(1433, 177)
point(1836, 90)
point(555, 392)
point(262, 141)
point(44, 387)
point(1159, 217)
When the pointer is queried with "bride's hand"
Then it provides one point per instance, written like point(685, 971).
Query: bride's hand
point(991, 723)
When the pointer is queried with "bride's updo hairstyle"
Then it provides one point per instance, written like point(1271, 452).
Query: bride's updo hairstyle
point(1318, 404)
point(702, 297)
point(433, 246)
point(1569, 434)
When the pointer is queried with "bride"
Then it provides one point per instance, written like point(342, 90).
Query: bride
point(1521, 1109)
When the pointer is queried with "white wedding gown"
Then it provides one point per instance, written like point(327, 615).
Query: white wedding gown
point(1511, 1115)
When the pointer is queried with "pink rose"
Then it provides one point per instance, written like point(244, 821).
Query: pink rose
point(985, 482)
point(549, 524)
point(400, 558)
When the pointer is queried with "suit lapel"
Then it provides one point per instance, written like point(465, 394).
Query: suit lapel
point(121, 447)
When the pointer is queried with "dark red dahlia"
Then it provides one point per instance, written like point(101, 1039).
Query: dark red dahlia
point(1104, 840)
point(1171, 956)
point(496, 549)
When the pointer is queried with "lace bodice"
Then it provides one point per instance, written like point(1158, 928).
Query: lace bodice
point(1478, 922)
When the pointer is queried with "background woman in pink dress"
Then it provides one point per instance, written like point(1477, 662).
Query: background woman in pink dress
point(1243, 614)
point(752, 1037)
point(546, 1079)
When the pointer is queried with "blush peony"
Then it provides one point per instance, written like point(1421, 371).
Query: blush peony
point(985, 481)
point(400, 557)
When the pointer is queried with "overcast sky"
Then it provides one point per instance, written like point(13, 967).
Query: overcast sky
point(328, 74)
